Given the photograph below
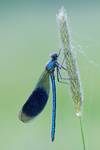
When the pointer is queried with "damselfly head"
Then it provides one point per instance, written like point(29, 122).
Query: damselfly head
point(54, 56)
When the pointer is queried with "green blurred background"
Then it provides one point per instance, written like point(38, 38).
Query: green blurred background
point(28, 34)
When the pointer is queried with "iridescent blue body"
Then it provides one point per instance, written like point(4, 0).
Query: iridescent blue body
point(51, 68)
point(38, 99)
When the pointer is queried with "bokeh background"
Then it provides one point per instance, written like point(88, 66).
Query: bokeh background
point(28, 34)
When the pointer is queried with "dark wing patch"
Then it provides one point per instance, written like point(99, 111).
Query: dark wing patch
point(35, 103)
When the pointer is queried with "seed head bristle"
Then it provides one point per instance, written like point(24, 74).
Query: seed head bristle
point(71, 62)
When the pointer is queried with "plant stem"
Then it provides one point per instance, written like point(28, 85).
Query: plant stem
point(82, 133)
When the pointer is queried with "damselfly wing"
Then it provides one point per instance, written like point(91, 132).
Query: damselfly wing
point(37, 100)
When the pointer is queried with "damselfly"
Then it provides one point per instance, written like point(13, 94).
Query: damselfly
point(38, 99)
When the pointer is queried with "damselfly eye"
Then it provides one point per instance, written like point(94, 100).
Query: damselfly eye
point(54, 56)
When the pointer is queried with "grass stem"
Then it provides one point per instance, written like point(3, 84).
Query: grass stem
point(82, 133)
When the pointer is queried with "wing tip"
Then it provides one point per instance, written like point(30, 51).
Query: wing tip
point(23, 117)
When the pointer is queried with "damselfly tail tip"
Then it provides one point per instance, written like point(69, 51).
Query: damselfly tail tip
point(53, 138)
